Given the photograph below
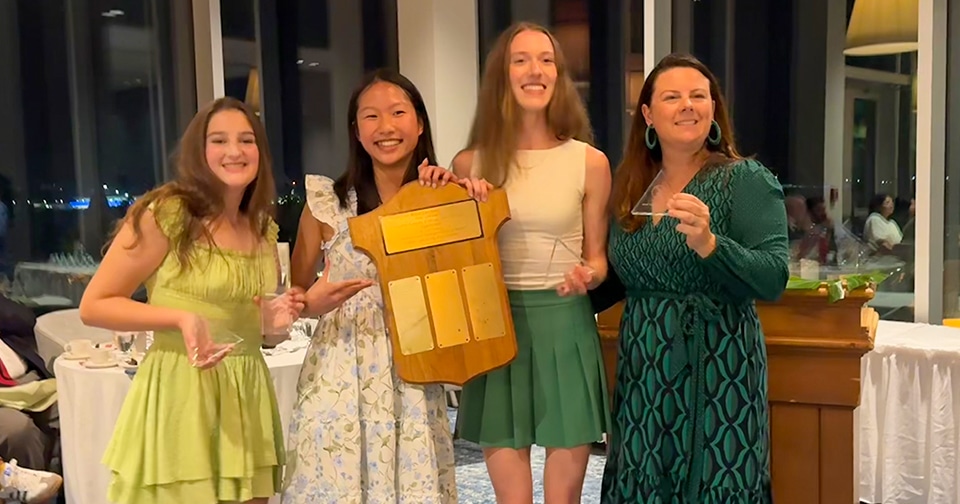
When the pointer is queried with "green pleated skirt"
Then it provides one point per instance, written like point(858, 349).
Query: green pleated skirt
point(554, 393)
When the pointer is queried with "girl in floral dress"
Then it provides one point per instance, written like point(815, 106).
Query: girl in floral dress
point(359, 434)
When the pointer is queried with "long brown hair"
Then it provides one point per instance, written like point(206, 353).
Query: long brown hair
point(359, 173)
point(496, 124)
point(640, 164)
point(200, 191)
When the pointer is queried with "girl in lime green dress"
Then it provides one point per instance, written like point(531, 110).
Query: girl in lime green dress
point(200, 424)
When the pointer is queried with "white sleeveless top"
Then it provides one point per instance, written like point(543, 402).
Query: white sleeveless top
point(546, 204)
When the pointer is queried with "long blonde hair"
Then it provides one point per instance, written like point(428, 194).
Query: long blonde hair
point(496, 124)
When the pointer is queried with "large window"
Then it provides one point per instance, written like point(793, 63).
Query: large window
point(298, 61)
point(94, 95)
point(951, 183)
point(839, 131)
point(591, 36)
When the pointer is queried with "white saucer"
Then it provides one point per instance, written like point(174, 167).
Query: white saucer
point(70, 356)
point(125, 365)
point(102, 365)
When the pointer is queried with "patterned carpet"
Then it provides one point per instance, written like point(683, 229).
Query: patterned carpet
point(473, 484)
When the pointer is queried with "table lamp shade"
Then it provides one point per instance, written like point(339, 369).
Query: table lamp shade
point(879, 27)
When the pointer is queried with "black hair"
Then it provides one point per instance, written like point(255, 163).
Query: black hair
point(359, 173)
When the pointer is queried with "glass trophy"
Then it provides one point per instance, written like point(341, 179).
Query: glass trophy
point(653, 203)
point(562, 260)
point(217, 341)
point(283, 257)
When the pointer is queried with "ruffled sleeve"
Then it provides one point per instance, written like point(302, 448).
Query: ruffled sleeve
point(169, 214)
point(323, 202)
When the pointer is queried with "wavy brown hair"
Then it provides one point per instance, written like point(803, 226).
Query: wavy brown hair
point(640, 165)
point(201, 192)
point(496, 124)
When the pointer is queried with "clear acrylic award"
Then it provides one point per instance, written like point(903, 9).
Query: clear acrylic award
point(562, 260)
point(653, 203)
point(216, 341)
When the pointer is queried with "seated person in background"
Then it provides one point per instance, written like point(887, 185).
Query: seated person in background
point(29, 422)
point(798, 217)
point(25, 437)
point(27, 486)
point(822, 234)
point(880, 231)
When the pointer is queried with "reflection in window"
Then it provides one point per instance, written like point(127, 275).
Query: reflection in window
point(241, 77)
point(951, 187)
point(780, 84)
point(90, 123)
point(319, 50)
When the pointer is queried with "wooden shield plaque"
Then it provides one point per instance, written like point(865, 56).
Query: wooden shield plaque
point(444, 299)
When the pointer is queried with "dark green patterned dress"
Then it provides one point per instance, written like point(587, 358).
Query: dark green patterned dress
point(690, 407)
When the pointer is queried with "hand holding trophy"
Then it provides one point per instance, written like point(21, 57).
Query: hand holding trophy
point(577, 274)
point(207, 342)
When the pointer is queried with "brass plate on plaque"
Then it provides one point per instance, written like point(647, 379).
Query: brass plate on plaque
point(446, 308)
point(409, 308)
point(483, 300)
point(430, 227)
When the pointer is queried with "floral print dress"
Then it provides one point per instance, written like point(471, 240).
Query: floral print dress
point(360, 435)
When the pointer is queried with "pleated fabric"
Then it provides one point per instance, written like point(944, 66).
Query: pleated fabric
point(554, 393)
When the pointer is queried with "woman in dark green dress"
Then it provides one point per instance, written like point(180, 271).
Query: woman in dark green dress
point(690, 407)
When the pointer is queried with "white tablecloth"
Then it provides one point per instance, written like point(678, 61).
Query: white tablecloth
point(55, 329)
point(90, 401)
point(908, 430)
point(33, 279)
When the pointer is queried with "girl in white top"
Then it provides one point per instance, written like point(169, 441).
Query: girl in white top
point(529, 138)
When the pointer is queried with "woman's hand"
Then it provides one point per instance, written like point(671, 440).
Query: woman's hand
point(433, 176)
point(202, 351)
point(477, 188)
point(694, 217)
point(291, 302)
point(577, 281)
point(280, 312)
point(325, 296)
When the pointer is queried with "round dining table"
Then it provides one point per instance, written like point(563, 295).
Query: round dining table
point(90, 400)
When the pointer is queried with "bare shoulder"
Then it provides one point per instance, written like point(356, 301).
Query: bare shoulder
point(147, 236)
point(597, 163)
point(463, 163)
point(155, 224)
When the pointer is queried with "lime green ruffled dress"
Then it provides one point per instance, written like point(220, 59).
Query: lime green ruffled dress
point(195, 436)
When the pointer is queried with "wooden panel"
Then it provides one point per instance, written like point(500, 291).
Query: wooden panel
point(808, 319)
point(795, 453)
point(837, 485)
point(813, 376)
point(448, 249)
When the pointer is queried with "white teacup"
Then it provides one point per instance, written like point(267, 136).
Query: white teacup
point(100, 356)
point(79, 347)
